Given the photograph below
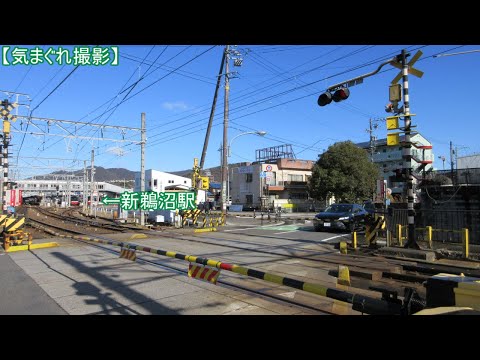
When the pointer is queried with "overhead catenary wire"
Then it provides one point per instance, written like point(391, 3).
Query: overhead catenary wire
point(151, 84)
point(41, 102)
point(123, 87)
point(236, 109)
point(254, 112)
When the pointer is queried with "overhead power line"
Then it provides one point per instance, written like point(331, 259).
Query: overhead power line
point(41, 102)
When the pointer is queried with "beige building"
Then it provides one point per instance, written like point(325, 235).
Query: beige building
point(281, 182)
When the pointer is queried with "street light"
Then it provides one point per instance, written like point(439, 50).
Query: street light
point(259, 133)
point(443, 159)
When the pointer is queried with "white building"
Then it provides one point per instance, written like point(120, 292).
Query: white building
point(285, 182)
point(468, 162)
point(158, 180)
point(47, 188)
point(389, 158)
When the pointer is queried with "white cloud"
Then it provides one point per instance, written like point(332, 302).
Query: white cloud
point(177, 105)
point(115, 150)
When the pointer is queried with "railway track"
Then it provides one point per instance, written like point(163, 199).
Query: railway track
point(325, 263)
point(68, 216)
point(223, 282)
point(410, 276)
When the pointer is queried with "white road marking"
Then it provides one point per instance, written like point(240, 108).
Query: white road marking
point(330, 238)
point(284, 232)
point(255, 227)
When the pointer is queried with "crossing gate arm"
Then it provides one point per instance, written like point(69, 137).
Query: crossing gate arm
point(361, 303)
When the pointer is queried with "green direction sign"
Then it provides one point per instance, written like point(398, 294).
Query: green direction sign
point(150, 200)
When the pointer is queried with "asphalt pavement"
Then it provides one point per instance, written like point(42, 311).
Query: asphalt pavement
point(20, 295)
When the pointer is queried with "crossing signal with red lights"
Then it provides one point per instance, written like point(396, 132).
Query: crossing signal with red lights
point(339, 95)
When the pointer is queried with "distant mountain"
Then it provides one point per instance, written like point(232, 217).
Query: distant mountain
point(118, 176)
point(101, 174)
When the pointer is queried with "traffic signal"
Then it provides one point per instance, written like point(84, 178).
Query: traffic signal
point(324, 99)
point(339, 95)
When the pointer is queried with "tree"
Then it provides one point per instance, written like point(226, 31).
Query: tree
point(345, 172)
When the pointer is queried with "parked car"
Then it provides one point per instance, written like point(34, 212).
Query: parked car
point(369, 207)
point(348, 217)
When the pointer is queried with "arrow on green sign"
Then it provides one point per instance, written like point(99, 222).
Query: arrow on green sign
point(108, 201)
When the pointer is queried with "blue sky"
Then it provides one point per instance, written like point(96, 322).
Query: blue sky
point(276, 91)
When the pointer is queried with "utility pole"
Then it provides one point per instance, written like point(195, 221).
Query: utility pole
point(142, 163)
point(212, 112)
point(92, 172)
point(6, 140)
point(372, 137)
point(225, 133)
point(5, 112)
point(452, 152)
point(407, 156)
point(456, 158)
point(84, 202)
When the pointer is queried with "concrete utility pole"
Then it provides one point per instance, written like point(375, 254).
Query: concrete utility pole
point(5, 109)
point(212, 112)
point(6, 140)
point(225, 133)
point(92, 172)
point(142, 163)
point(407, 156)
point(451, 163)
point(372, 137)
point(84, 202)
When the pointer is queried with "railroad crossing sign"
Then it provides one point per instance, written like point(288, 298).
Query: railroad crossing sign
point(411, 69)
point(7, 107)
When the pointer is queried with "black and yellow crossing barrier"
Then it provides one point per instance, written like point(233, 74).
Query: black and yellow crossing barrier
point(190, 215)
point(128, 254)
point(213, 220)
point(13, 224)
point(372, 228)
point(359, 302)
point(14, 237)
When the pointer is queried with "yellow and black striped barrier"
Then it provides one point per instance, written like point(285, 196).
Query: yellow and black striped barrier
point(14, 224)
point(213, 220)
point(190, 214)
point(128, 254)
point(359, 302)
point(372, 229)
